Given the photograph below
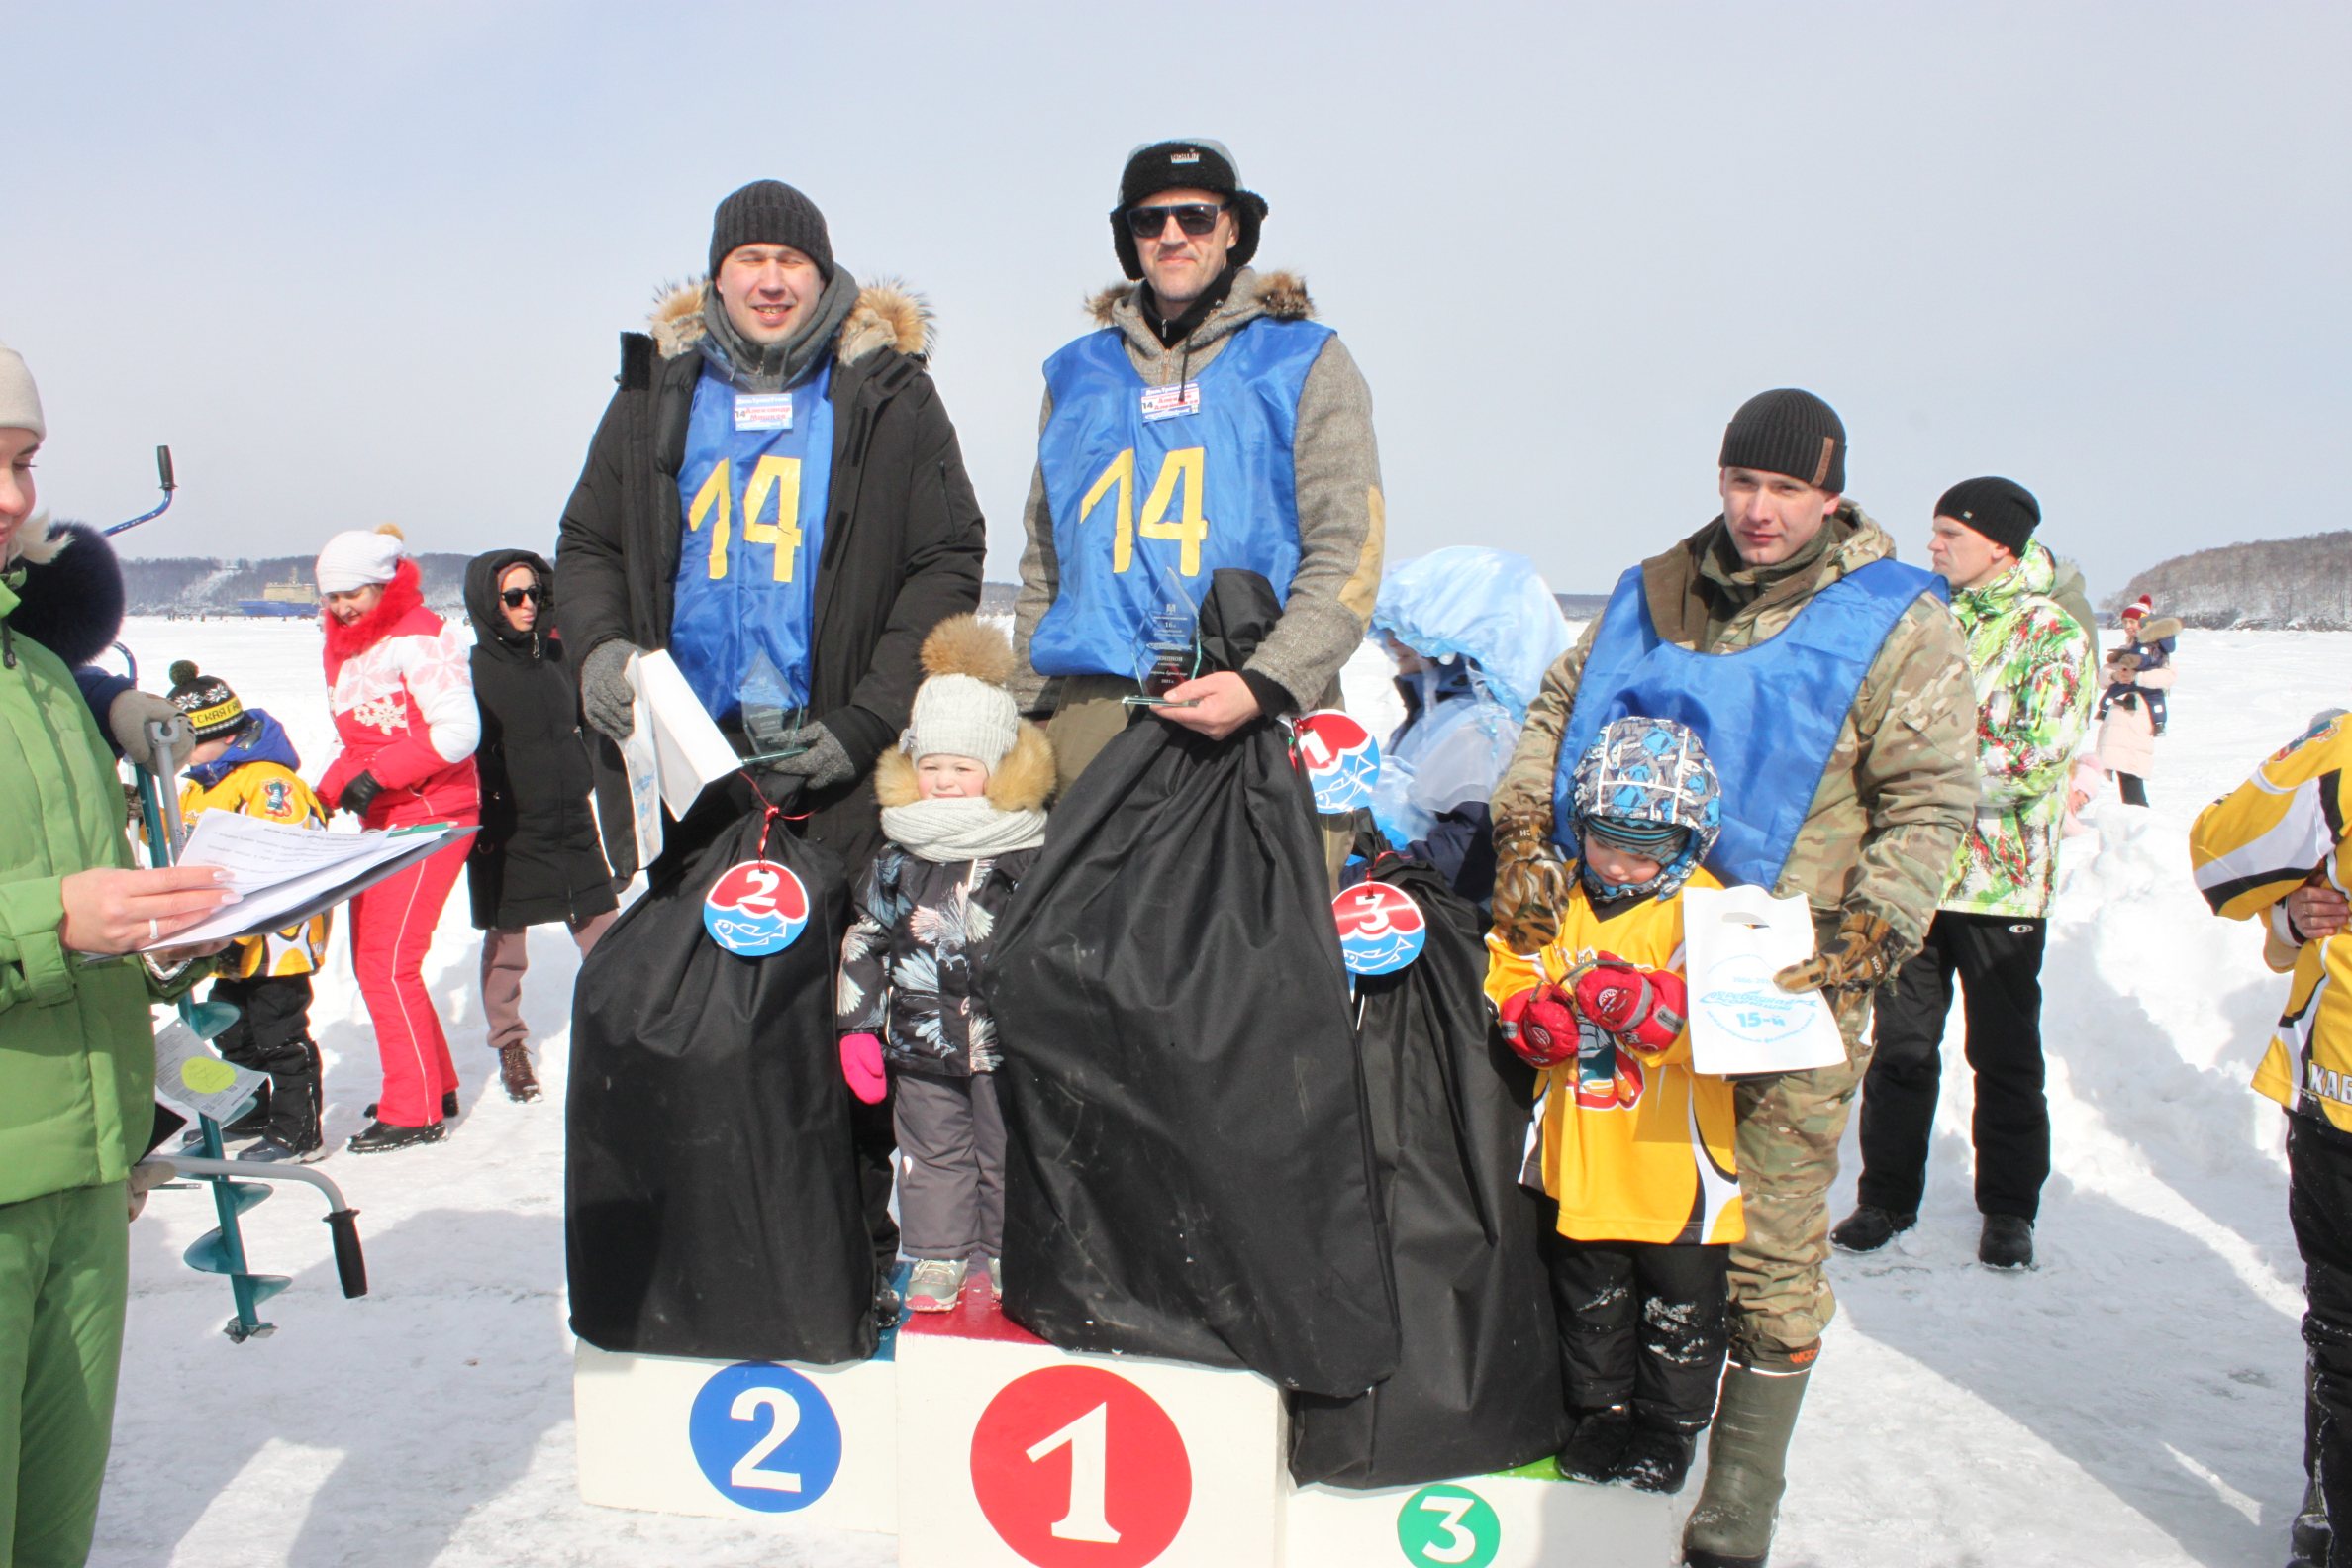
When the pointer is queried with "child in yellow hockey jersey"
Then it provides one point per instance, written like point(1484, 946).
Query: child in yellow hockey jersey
point(1632, 1145)
point(2253, 851)
point(243, 762)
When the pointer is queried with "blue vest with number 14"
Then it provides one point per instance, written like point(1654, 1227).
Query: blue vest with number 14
point(1769, 715)
point(1135, 499)
point(752, 491)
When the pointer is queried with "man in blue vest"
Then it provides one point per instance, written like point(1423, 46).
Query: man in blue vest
point(1209, 423)
point(776, 496)
point(1844, 739)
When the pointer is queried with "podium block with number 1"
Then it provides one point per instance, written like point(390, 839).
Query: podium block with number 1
point(1028, 1457)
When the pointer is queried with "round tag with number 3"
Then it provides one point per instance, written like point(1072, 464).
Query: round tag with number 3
point(757, 909)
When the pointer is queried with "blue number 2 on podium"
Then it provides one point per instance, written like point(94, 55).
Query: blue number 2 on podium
point(765, 1436)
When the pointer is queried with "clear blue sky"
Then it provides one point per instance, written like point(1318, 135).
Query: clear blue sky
point(358, 263)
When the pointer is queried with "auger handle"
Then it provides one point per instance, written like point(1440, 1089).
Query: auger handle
point(350, 1265)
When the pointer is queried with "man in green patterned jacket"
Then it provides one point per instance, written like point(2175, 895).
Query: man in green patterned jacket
point(2031, 660)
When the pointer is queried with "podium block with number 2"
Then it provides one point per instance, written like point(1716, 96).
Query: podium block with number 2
point(1031, 1458)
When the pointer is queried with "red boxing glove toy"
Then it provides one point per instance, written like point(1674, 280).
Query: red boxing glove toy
point(1644, 1010)
point(1539, 1028)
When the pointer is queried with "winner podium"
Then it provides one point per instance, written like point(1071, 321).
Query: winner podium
point(978, 1444)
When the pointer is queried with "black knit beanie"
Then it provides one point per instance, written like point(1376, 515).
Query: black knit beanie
point(1788, 431)
point(770, 212)
point(2001, 510)
point(1197, 164)
point(212, 708)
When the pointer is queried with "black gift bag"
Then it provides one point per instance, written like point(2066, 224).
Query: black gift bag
point(1476, 1386)
point(711, 1199)
point(1188, 1171)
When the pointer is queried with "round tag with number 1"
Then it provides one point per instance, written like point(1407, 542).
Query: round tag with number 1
point(757, 909)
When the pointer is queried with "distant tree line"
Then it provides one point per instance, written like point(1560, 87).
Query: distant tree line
point(2298, 582)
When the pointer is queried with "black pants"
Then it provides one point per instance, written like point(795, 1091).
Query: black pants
point(1997, 958)
point(1643, 1322)
point(873, 1145)
point(2319, 1205)
point(2134, 788)
point(271, 1035)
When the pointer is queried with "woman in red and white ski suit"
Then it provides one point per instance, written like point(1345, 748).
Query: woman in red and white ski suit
point(401, 685)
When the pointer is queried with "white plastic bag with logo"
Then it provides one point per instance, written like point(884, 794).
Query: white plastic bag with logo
point(1734, 940)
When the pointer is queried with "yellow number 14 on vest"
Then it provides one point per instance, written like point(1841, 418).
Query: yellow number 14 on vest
point(713, 503)
point(1188, 528)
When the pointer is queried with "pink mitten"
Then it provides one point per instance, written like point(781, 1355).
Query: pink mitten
point(861, 1067)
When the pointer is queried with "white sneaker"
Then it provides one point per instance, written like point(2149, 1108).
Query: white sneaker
point(937, 1285)
point(996, 1278)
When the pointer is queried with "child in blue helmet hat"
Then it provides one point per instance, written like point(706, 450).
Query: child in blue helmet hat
point(1632, 1146)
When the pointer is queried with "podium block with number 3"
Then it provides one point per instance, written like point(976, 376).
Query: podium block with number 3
point(1023, 1455)
point(1525, 1519)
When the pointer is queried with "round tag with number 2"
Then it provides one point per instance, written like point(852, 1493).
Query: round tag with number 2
point(757, 909)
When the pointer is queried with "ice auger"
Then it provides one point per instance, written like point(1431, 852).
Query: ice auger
point(237, 1186)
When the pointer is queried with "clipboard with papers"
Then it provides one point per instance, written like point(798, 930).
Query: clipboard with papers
point(283, 873)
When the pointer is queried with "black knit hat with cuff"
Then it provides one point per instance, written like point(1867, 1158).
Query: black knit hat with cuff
point(2001, 510)
point(770, 212)
point(1788, 431)
point(212, 709)
point(1197, 164)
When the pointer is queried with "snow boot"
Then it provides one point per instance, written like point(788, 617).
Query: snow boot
point(1597, 1445)
point(297, 1102)
point(514, 1071)
point(448, 1107)
point(2007, 1243)
point(1747, 1468)
point(1870, 1228)
point(1658, 1457)
point(383, 1137)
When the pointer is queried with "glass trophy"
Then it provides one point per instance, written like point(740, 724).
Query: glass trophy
point(772, 718)
point(1169, 652)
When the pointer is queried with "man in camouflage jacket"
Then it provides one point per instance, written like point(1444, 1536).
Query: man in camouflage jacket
point(2030, 662)
point(1871, 857)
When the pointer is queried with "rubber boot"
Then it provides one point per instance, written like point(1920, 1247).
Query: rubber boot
point(2310, 1535)
point(1746, 1469)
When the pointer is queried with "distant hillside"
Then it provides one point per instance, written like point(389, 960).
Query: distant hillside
point(201, 585)
point(2300, 583)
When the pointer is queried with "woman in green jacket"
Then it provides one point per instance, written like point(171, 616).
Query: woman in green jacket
point(76, 1040)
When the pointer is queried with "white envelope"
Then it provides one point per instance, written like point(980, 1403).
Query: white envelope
point(1734, 940)
point(688, 749)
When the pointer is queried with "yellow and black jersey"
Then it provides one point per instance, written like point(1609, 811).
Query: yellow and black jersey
point(1633, 1147)
point(2284, 827)
point(275, 794)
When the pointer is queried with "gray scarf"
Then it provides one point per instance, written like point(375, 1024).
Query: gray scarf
point(754, 368)
point(944, 831)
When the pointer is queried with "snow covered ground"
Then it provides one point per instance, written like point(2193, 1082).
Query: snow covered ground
point(2133, 1400)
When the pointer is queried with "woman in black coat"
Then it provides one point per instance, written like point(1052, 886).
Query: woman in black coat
point(538, 858)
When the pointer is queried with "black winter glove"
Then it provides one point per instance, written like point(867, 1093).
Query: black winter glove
point(821, 763)
point(605, 695)
point(359, 793)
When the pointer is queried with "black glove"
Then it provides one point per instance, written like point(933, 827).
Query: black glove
point(821, 762)
point(359, 793)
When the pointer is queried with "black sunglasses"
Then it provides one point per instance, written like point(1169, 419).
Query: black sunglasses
point(1194, 218)
point(514, 597)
